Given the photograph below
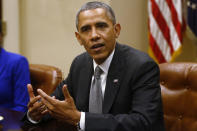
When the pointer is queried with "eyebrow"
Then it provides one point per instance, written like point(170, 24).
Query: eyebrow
point(101, 23)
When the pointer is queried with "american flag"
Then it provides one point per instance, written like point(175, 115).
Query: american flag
point(165, 29)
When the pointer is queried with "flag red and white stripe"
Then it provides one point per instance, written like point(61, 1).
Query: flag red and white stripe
point(165, 29)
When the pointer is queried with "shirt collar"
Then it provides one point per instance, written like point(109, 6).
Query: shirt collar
point(105, 65)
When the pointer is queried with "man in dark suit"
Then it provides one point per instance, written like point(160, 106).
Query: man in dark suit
point(129, 81)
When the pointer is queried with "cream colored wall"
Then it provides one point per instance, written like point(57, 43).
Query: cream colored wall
point(132, 15)
point(47, 30)
point(11, 17)
point(189, 48)
point(48, 26)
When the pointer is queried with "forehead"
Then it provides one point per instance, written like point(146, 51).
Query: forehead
point(93, 15)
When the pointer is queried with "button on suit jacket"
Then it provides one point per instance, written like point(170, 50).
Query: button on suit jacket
point(132, 99)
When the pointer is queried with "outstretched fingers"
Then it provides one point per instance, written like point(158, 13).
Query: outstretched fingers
point(33, 100)
point(30, 91)
point(66, 92)
point(46, 99)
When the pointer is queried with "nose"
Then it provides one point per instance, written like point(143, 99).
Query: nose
point(94, 35)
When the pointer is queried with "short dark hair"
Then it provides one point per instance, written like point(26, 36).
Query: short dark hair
point(95, 5)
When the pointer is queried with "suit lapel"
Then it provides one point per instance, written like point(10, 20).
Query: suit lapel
point(113, 80)
point(84, 85)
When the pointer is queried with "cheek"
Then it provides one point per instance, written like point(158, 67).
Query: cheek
point(110, 35)
point(85, 44)
point(83, 41)
point(110, 38)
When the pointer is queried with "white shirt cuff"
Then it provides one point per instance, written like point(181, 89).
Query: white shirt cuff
point(32, 121)
point(82, 121)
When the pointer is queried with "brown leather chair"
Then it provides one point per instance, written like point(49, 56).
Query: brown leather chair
point(179, 94)
point(45, 77)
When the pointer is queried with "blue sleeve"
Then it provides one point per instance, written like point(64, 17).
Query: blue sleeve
point(21, 78)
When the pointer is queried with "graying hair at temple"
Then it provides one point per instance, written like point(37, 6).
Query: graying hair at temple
point(95, 5)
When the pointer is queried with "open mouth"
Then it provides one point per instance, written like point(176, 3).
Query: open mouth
point(96, 46)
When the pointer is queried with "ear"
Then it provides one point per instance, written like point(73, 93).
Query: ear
point(78, 38)
point(117, 29)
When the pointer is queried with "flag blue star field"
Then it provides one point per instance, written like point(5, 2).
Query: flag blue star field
point(192, 15)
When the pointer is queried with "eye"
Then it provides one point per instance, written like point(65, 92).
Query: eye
point(85, 28)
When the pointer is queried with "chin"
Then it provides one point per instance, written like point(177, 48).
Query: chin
point(100, 58)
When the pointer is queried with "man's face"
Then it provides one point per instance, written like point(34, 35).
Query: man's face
point(97, 33)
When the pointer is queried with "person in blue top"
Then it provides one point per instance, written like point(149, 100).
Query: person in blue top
point(14, 77)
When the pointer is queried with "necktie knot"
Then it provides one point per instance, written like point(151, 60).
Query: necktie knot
point(97, 73)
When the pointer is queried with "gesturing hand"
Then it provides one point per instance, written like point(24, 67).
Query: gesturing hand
point(63, 110)
point(36, 108)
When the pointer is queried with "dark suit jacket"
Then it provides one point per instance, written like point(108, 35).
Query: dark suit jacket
point(132, 100)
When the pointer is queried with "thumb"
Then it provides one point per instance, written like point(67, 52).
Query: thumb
point(30, 91)
point(66, 92)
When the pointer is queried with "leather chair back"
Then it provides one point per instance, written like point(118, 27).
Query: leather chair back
point(179, 94)
point(45, 77)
